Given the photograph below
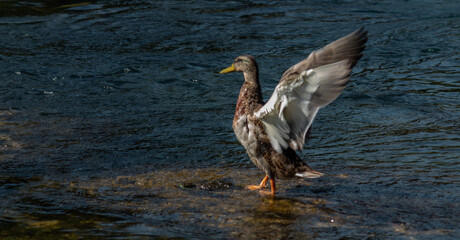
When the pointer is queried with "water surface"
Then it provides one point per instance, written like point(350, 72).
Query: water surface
point(114, 121)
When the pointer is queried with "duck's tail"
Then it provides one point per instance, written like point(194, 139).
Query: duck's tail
point(307, 172)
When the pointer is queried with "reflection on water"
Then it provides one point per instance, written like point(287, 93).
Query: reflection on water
point(114, 121)
point(155, 204)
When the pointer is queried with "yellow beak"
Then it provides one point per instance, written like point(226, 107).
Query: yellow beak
point(229, 69)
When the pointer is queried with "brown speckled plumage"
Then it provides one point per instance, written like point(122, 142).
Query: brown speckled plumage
point(284, 165)
point(271, 132)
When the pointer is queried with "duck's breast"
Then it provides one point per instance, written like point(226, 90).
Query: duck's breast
point(249, 134)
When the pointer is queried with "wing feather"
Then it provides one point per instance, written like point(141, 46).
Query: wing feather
point(349, 47)
point(306, 87)
point(291, 109)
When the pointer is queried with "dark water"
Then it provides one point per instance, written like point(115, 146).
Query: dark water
point(114, 121)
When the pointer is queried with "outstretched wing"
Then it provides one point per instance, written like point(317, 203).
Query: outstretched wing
point(289, 112)
point(306, 87)
point(348, 47)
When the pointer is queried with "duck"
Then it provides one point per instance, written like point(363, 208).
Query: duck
point(273, 132)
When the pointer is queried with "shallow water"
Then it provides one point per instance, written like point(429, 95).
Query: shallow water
point(114, 121)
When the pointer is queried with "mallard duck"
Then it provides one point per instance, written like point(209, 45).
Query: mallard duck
point(272, 132)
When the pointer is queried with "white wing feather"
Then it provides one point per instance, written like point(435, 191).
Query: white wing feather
point(291, 109)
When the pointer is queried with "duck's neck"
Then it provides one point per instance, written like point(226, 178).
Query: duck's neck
point(251, 76)
point(250, 98)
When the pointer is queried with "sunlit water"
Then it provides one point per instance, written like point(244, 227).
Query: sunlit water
point(114, 121)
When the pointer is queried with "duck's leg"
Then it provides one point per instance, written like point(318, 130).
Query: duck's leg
point(262, 184)
point(273, 189)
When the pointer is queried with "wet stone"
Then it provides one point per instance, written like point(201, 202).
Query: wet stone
point(210, 185)
point(125, 180)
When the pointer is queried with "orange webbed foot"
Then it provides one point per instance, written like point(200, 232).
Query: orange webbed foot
point(260, 186)
point(263, 192)
point(254, 187)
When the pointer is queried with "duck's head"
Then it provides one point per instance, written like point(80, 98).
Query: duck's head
point(245, 63)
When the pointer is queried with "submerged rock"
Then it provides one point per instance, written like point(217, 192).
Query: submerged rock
point(210, 185)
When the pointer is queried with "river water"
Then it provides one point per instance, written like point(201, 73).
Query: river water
point(114, 121)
